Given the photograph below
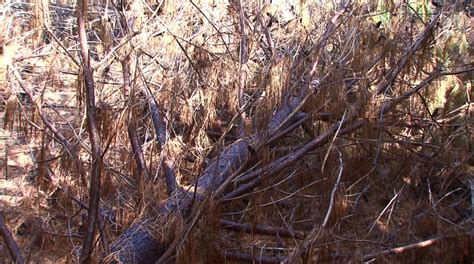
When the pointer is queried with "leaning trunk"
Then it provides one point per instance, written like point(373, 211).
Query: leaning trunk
point(149, 237)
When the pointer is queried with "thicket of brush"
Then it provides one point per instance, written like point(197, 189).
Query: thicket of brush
point(241, 130)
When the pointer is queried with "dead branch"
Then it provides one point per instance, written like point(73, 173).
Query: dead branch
point(162, 138)
point(137, 150)
point(387, 138)
point(254, 258)
point(138, 244)
point(301, 119)
point(268, 36)
point(330, 29)
point(255, 177)
point(243, 67)
point(132, 129)
point(433, 76)
point(214, 26)
point(394, 71)
point(61, 139)
point(58, 136)
point(89, 90)
point(263, 230)
point(10, 242)
point(403, 249)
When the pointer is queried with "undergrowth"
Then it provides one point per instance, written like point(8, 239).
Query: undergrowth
point(395, 87)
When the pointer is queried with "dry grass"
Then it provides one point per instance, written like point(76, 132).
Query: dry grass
point(405, 175)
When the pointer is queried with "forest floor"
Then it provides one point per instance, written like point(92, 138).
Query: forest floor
point(23, 205)
point(416, 195)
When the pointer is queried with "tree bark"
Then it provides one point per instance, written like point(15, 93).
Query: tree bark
point(149, 237)
point(94, 189)
point(10, 242)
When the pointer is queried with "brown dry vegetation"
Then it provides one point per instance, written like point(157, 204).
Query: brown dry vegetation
point(236, 131)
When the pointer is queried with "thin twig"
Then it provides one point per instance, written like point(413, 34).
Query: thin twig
point(332, 141)
point(385, 209)
point(316, 231)
point(333, 192)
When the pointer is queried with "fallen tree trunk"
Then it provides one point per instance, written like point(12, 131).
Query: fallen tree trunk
point(149, 237)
